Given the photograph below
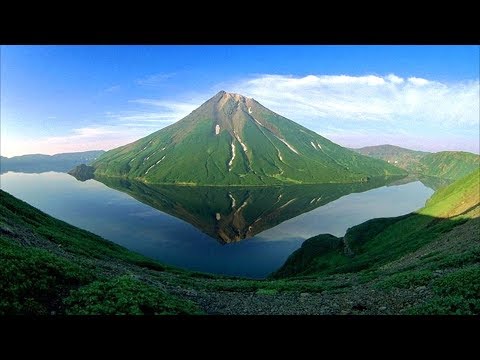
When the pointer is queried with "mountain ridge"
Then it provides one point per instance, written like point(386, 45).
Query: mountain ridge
point(61, 162)
point(451, 165)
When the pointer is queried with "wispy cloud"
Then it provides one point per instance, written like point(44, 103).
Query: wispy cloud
point(177, 109)
point(159, 113)
point(366, 98)
point(154, 79)
point(103, 137)
point(372, 109)
point(114, 129)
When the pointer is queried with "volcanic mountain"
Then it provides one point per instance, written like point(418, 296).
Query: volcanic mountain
point(234, 140)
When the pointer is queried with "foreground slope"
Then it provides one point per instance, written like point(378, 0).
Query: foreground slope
point(451, 165)
point(234, 140)
point(435, 250)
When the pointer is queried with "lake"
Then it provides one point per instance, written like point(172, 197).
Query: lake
point(234, 231)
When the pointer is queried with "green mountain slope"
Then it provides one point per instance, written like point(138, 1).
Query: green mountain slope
point(411, 251)
point(450, 165)
point(41, 163)
point(403, 158)
point(234, 140)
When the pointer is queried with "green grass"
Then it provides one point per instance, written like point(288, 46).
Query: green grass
point(33, 281)
point(126, 296)
point(407, 279)
point(267, 291)
point(457, 293)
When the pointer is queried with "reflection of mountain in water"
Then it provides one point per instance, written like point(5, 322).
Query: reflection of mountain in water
point(433, 183)
point(233, 214)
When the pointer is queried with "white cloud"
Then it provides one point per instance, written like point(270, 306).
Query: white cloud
point(116, 129)
point(394, 79)
point(418, 81)
point(365, 98)
point(164, 112)
point(176, 109)
point(81, 139)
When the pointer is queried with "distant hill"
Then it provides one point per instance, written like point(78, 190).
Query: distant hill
point(449, 164)
point(234, 140)
point(446, 164)
point(35, 163)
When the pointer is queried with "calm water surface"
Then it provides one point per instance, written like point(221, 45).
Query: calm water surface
point(205, 230)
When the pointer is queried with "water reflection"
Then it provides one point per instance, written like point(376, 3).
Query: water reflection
point(233, 214)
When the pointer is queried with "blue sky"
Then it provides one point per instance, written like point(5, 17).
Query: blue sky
point(74, 98)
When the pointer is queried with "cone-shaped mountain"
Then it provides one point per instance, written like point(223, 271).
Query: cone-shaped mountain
point(234, 140)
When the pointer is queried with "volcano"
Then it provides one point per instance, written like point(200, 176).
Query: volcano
point(234, 140)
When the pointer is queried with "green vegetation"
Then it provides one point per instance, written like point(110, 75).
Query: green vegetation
point(33, 281)
point(83, 172)
point(451, 165)
point(125, 296)
point(275, 151)
point(457, 293)
point(407, 279)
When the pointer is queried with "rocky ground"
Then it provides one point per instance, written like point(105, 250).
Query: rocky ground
point(358, 300)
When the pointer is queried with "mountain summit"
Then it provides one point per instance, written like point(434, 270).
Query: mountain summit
point(234, 140)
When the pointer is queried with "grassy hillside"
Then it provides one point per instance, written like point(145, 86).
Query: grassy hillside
point(450, 165)
point(403, 158)
point(234, 140)
point(409, 251)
